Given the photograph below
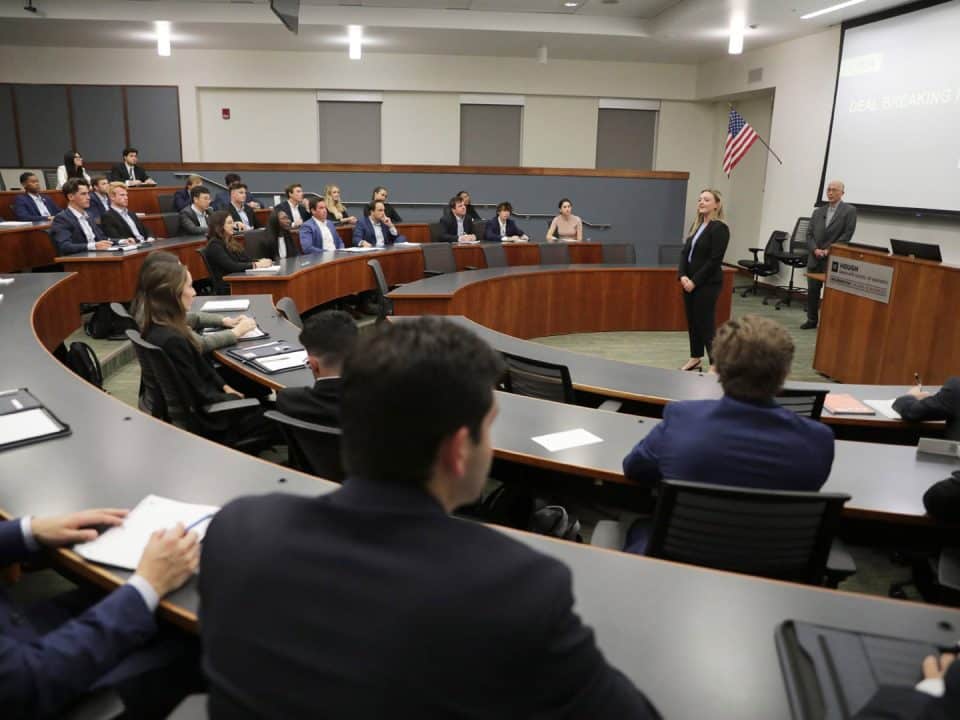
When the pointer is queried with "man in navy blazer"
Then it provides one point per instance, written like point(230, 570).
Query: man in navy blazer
point(376, 229)
point(30, 205)
point(503, 226)
point(744, 439)
point(318, 234)
point(99, 198)
point(51, 656)
point(72, 230)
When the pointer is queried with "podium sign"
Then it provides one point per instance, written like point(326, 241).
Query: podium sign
point(857, 277)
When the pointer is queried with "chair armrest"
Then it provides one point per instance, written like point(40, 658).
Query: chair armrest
point(610, 405)
point(431, 273)
point(840, 563)
point(285, 419)
point(231, 405)
point(755, 250)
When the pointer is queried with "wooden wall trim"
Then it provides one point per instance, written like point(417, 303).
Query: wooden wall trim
point(447, 169)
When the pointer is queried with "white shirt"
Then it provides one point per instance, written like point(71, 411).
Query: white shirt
point(281, 246)
point(378, 231)
point(62, 176)
point(503, 228)
point(104, 200)
point(242, 212)
point(201, 216)
point(295, 213)
point(41, 205)
point(130, 172)
point(328, 243)
point(130, 223)
point(87, 228)
point(460, 230)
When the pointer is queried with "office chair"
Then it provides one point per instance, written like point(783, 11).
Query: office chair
point(554, 254)
point(288, 309)
point(171, 224)
point(165, 202)
point(495, 256)
point(535, 378)
point(438, 259)
point(216, 280)
point(618, 254)
point(384, 304)
point(796, 258)
point(668, 255)
point(149, 398)
point(436, 230)
point(770, 533)
point(806, 403)
point(312, 448)
point(479, 229)
point(770, 265)
point(49, 179)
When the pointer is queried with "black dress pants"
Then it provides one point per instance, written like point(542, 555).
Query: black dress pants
point(701, 309)
point(814, 287)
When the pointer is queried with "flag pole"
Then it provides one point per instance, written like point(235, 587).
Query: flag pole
point(764, 142)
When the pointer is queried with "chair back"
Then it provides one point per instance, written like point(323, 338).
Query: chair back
point(50, 179)
point(165, 203)
point(669, 255)
point(495, 255)
point(554, 254)
point(436, 230)
point(771, 533)
point(479, 229)
point(312, 448)
point(151, 399)
point(384, 304)
point(438, 258)
point(798, 238)
point(538, 379)
point(772, 251)
point(215, 278)
point(806, 403)
point(619, 254)
point(171, 223)
point(288, 308)
point(254, 242)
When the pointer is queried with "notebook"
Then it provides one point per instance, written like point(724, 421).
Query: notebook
point(225, 305)
point(845, 404)
point(24, 420)
point(263, 271)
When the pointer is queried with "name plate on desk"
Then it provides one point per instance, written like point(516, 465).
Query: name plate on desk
point(857, 277)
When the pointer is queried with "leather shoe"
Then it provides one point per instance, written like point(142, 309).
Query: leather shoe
point(808, 326)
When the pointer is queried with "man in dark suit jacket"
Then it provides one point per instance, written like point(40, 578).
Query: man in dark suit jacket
point(72, 230)
point(118, 223)
point(744, 439)
point(293, 206)
point(194, 217)
point(50, 656)
point(832, 223)
point(375, 229)
point(382, 604)
point(99, 198)
point(128, 172)
point(917, 406)
point(456, 225)
point(328, 338)
point(240, 210)
point(31, 205)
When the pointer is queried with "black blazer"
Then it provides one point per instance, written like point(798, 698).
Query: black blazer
point(944, 405)
point(392, 213)
point(319, 404)
point(223, 261)
point(114, 226)
point(385, 606)
point(251, 215)
point(268, 247)
point(706, 265)
point(118, 173)
point(448, 227)
point(205, 386)
point(301, 210)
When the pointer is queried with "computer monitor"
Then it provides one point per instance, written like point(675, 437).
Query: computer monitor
point(921, 251)
point(865, 246)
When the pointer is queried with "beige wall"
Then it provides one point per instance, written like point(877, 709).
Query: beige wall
point(559, 132)
point(420, 128)
point(687, 140)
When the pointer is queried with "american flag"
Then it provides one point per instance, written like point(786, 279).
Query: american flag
point(740, 137)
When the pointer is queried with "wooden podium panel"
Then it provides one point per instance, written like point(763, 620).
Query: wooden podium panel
point(860, 340)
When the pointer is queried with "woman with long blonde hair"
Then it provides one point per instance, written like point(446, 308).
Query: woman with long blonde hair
point(335, 208)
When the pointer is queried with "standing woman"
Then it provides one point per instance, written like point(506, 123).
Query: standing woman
point(72, 168)
point(335, 208)
point(701, 275)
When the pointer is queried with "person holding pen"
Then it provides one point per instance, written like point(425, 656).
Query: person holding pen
point(918, 405)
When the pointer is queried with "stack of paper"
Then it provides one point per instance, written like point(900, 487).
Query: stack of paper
point(555, 442)
point(286, 361)
point(884, 407)
point(263, 271)
point(225, 305)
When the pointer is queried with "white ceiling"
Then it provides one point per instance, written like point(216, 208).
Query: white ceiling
point(685, 31)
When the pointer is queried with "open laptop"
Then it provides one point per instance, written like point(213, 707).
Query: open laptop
point(920, 251)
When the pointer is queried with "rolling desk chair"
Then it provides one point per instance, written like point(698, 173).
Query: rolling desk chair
point(796, 258)
point(770, 265)
point(479, 228)
point(312, 448)
point(384, 304)
point(495, 255)
point(165, 202)
point(806, 403)
point(618, 254)
point(288, 310)
point(436, 230)
point(554, 254)
point(438, 259)
point(544, 380)
point(171, 223)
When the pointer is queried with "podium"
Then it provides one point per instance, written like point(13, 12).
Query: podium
point(878, 335)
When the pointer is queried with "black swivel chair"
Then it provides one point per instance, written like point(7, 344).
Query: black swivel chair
point(770, 265)
point(150, 399)
point(312, 448)
point(535, 378)
point(479, 229)
point(165, 202)
point(796, 258)
point(384, 304)
point(438, 259)
point(554, 254)
point(288, 309)
point(618, 254)
point(806, 403)
point(436, 230)
point(495, 255)
point(171, 223)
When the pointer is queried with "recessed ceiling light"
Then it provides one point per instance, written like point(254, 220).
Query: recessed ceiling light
point(163, 38)
point(570, 4)
point(832, 8)
point(355, 33)
point(736, 35)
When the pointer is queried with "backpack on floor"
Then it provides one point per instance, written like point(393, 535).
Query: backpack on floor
point(104, 323)
point(82, 360)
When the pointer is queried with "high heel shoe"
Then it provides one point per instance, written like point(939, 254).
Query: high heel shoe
point(690, 366)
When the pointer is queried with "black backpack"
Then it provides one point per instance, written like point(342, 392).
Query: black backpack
point(104, 323)
point(514, 507)
point(82, 360)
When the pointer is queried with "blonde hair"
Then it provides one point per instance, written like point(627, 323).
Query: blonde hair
point(337, 209)
point(717, 215)
point(114, 186)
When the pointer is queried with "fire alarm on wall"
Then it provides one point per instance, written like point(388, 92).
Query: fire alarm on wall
point(225, 113)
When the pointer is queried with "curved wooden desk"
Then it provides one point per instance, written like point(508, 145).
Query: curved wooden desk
point(641, 609)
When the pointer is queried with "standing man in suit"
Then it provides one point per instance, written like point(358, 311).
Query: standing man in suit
point(829, 224)
point(128, 171)
point(456, 225)
point(194, 218)
point(328, 337)
point(118, 223)
point(30, 205)
point(319, 234)
point(240, 210)
point(376, 229)
point(392, 586)
point(72, 230)
point(294, 205)
point(54, 653)
point(99, 198)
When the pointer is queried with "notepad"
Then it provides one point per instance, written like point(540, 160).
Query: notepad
point(225, 305)
point(406, 244)
point(14, 223)
point(286, 361)
point(122, 546)
point(254, 334)
point(263, 271)
point(884, 408)
point(845, 404)
point(34, 424)
point(554, 442)
point(359, 249)
point(122, 248)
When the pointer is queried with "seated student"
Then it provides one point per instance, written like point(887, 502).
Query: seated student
point(376, 609)
point(195, 219)
point(221, 200)
point(128, 171)
point(99, 198)
point(917, 406)
point(278, 243)
point(240, 210)
point(376, 229)
point(319, 234)
point(328, 337)
point(72, 230)
point(72, 168)
point(181, 198)
point(118, 223)
point(457, 225)
point(566, 226)
point(469, 209)
point(31, 205)
point(295, 205)
point(380, 193)
point(502, 227)
point(335, 208)
point(225, 253)
point(54, 653)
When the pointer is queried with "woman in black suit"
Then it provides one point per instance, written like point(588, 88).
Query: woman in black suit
point(225, 253)
point(701, 275)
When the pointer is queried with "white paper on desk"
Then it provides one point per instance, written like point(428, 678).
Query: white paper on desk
point(14, 223)
point(253, 334)
point(884, 407)
point(406, 244)
point(225, 305)
point(554, 442)
point(6, 281)
point(284, 361)
point(122, 248)
point(359, 249)
point(123, 545)
point(265, 271)
point(26, 425)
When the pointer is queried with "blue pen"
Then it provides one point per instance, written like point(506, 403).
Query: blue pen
point(199, 520)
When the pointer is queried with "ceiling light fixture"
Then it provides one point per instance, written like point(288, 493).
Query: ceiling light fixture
point(736, 35)
point(570, 4)
point(355, 33)
point(163, 38)
point(832, 8)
